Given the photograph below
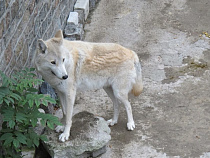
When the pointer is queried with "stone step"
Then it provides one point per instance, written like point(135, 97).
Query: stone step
point(82, 5)
point(73, 18)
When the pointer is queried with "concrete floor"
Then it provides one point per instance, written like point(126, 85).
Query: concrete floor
point(172, 115)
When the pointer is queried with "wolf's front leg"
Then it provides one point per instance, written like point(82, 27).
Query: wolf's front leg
point(60, 128)
point(70, 98)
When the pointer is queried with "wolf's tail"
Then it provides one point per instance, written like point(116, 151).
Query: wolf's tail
point(138, 85)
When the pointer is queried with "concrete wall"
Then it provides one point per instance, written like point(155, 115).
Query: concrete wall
point(22, 22)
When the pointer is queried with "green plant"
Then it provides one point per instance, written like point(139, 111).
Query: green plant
point(19, 104)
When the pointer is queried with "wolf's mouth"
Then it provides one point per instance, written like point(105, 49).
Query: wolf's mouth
point(53, 73)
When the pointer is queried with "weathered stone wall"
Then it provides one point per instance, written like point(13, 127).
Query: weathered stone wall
point(22, 22)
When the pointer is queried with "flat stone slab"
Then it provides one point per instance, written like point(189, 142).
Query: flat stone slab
point(89, 138)
point(82, 5)
point(73, 18)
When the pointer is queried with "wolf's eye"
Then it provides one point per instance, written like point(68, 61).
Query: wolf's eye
point(53, 62)
point(63, 59)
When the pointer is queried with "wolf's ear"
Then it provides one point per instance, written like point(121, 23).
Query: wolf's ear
point(58, 37)
point(42, 46)
point(59, 34)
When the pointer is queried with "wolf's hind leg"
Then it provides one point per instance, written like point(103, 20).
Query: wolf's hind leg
point(123, 98)
point(115, 102)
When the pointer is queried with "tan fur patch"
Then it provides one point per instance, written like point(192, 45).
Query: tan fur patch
point(101, 57)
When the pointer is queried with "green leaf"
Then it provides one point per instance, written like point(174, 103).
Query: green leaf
point(6, 136)
point(6, 101)
point(24, 71)
point(29, 143)
point(20, 117)
point(17, 88)
point(32, 69)
point(30, 84)
point(8, 141)
point(31, 103)
point(36, 141)
point(23, 102)
point(32, 134)
point(16, 143)
point(5, 80)
point(43, 122)
point(15, 96)
point(32, 89)
point(29, 96)
point(43, 116)
point(52, 119)
point(4, 91)
point(11, 124)
point(27, 69)
point(37, 102)
point(20, 137)
point(49, 99)
point(43, 137)
point(6, 130)
point(31, 74)
point(34, 122)
point(50, 125)
point(10, 100)
point(8, 114)
point(44, 102)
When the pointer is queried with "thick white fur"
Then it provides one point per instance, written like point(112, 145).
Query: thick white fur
point(88, 66)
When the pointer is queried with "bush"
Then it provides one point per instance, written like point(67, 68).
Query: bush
point(19, 104)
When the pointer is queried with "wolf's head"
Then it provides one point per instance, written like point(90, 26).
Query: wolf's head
point(51, 57)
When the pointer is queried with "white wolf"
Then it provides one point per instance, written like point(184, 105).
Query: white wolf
point(72, 66)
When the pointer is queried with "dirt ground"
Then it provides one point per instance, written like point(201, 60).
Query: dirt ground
point(172, 115)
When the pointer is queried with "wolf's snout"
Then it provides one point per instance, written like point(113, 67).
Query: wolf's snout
point(65, 77)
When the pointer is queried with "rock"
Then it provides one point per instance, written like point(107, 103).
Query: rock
point(81, 16)
point(82, 5)
point(73, 18)
point(45, 88)
point(72, 23)
point(92, 4)
point(74, 33)
point(59, 113)
point(28, 153)
point(89, 137)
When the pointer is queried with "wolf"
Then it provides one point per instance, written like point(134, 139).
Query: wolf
point(74, 66)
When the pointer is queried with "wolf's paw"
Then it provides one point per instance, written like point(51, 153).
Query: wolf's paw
point(111, 122)
point(63, 137)
point(59, 129)
point(131, 126)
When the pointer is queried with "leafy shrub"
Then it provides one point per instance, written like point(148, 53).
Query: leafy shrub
point(19, 104)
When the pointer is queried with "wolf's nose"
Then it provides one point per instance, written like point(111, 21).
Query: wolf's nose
point(65, 77)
